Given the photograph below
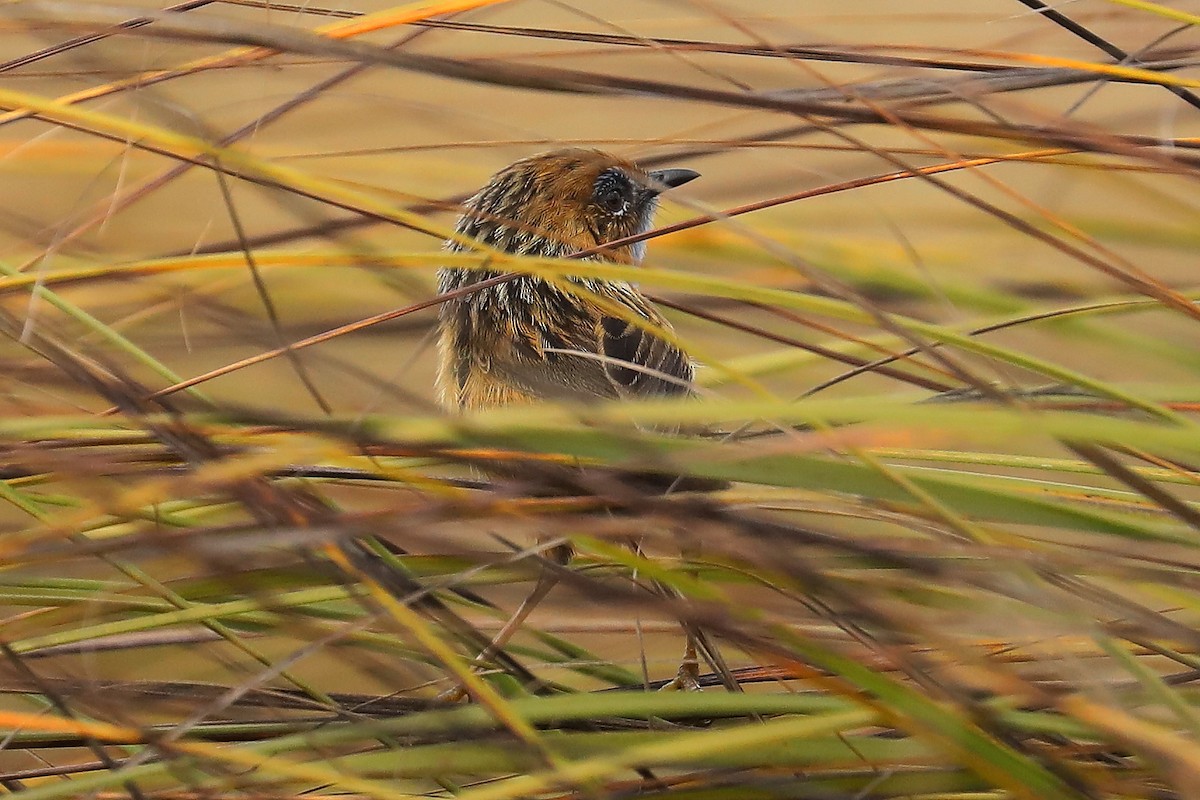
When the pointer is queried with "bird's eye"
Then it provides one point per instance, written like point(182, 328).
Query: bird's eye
point(612, 200)
point(612, 192)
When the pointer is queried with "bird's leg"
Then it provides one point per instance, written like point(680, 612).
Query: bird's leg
point(687, 679)
point(547, 580)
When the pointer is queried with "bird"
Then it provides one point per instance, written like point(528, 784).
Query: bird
point(527, 340)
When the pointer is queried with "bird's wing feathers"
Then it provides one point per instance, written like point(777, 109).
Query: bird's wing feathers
point(536, 352)
point(608, 358)
point(641, 364)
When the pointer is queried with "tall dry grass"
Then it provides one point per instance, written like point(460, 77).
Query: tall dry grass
point(940, 272)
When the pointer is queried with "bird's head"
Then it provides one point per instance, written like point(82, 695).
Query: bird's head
point(565, 201)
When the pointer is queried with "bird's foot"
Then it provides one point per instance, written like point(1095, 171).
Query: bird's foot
point(454, 694)
point(687, 679)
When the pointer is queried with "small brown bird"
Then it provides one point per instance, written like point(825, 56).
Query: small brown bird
point(527, 339)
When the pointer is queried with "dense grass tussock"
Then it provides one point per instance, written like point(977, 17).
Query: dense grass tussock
point(939, 278)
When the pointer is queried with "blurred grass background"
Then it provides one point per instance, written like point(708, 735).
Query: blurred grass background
point(939, 273)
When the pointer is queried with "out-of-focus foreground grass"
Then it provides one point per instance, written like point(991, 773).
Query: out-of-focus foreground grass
point(940, 276)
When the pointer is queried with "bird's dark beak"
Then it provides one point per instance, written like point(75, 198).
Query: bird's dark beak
point(663, 179)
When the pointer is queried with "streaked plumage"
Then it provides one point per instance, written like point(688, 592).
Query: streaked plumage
point(527, 339)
